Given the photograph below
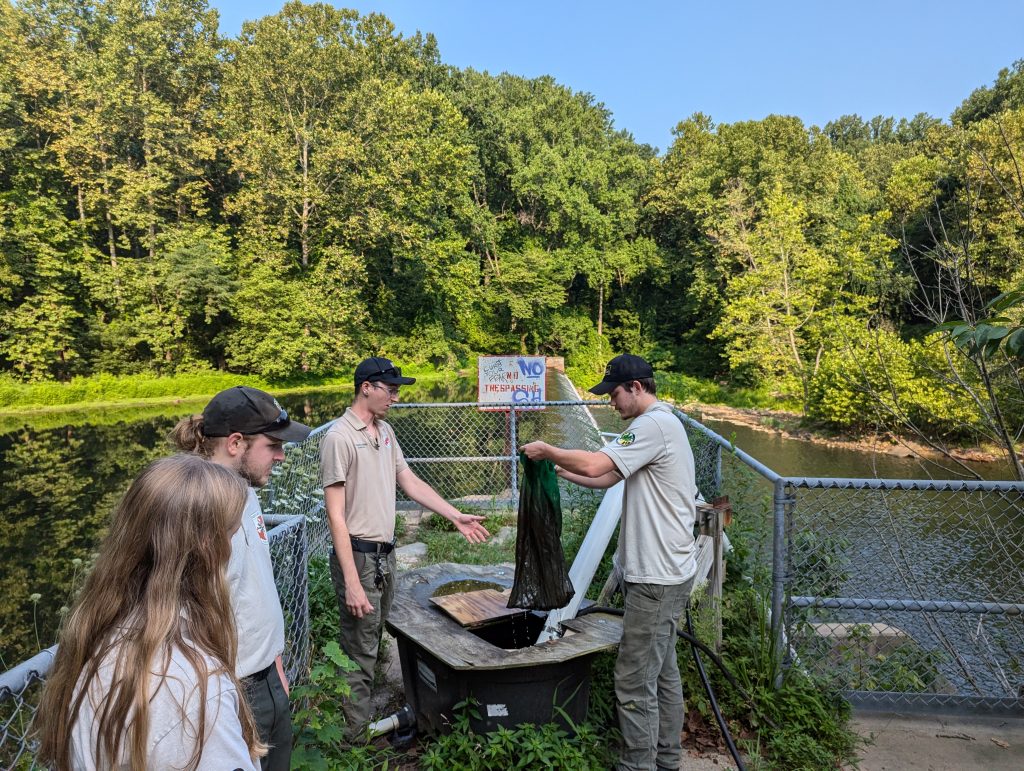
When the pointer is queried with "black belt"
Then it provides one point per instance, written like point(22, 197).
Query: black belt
point(371, 547)
point(262, 674)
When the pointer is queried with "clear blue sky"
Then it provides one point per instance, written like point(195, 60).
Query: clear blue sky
point(655, 63)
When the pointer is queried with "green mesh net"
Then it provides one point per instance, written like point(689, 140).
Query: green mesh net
point(542, 579)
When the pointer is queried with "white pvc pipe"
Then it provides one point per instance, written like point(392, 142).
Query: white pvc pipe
point(404, 718)
point(594, 545)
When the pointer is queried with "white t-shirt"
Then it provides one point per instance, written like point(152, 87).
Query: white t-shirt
point(254, 599)
point(173, 721)
point(653, 455)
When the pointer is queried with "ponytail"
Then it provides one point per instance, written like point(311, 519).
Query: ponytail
point(187, 436)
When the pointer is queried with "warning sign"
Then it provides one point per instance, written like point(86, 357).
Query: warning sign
point(516, 379)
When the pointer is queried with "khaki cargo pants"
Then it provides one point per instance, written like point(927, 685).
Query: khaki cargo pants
point(360, 637)
point(648, 692)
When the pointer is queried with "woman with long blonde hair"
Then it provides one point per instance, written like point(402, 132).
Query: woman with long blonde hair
point(144, 672)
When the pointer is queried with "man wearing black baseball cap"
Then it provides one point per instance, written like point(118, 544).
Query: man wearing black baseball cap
point(245, 429)
point(623, 369)
point(654, 558)
point(360, 465)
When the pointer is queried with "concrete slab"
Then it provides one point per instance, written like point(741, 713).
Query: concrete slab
point(938, 743)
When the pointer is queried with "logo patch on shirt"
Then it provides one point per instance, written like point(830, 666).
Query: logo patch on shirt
point(626, 439)
point(261, 528)
point(387, 441)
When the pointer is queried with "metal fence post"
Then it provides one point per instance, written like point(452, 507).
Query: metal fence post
point(300, 577)
point(718, 469)
point(778, 573)
point(514, 452)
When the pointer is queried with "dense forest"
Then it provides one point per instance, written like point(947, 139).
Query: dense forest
point(322, 188)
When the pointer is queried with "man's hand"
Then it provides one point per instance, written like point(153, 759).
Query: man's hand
point(470, 527)
point(355, 600)
point(282, 675)
point(535, 450)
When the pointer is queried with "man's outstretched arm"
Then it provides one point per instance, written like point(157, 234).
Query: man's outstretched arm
point(470, 525)
point(582, 467)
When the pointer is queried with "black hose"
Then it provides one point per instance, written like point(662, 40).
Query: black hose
point(696, 645)
point(714, 657)
point(711, 695)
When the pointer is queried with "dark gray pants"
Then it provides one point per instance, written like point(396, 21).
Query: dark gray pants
point(270, 710)
point(360, 637)
point(648, 692)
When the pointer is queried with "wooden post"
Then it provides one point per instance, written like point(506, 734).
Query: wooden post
point(611, 585)
point(713, 519)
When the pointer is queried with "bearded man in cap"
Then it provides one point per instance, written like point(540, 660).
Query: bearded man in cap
point(245, 430)
point(654, 558)
point(360, 465)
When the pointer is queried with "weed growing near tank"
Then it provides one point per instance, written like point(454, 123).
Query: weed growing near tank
point(526, 746)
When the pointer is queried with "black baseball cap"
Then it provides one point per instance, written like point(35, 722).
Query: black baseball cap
point(249, 411)
point(377, 369)
point(622, 369)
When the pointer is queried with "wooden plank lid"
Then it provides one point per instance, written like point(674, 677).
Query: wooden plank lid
point(473, 609)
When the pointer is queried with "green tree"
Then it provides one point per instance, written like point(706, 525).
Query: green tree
point(293, 322)
point(345, 155)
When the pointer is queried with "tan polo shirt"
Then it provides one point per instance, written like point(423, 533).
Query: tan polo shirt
point(653, 455)
point(369, 470)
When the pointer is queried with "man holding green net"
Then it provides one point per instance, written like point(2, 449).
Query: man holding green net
point(654, 559)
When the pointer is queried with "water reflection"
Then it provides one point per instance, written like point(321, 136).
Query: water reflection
point(58, 485)
point(57, 488)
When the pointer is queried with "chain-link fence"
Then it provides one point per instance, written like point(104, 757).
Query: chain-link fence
point(903, 593)
point(19, 693)
point(465, 452)
point(909, 593)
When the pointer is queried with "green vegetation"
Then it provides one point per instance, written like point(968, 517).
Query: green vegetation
point(802, 725)
point(109, 389)
point(95, 392)
point(684, 389)
point(170, 205)
point(526, 746)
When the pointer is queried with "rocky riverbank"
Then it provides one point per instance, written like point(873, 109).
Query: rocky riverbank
point(793, 426)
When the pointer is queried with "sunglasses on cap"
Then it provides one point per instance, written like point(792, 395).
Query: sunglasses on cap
point(281, 421)
point(387, 371)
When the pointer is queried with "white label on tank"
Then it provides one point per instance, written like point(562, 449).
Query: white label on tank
point(427, 675)
point(497, 710)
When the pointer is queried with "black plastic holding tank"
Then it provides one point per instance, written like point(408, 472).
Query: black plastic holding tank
point(512, 680)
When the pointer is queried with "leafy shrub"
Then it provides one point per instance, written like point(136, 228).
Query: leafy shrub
point(526, 746)
point(318, 722)
point(683, 388)
point(426, 345)
point(878, 379)
point(323, 605)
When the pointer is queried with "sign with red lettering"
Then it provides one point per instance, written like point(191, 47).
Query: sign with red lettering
point(516, 379)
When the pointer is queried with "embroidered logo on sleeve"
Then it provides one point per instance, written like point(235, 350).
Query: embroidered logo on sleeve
point(626, 439)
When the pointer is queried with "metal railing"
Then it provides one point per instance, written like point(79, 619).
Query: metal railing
point(903, 594)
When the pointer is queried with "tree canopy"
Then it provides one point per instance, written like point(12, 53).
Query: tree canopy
point(322, 188)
